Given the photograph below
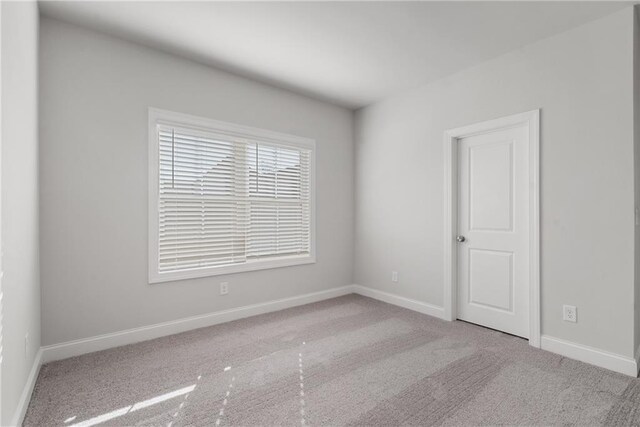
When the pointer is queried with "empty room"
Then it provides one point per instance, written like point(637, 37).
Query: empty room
point(367, 213)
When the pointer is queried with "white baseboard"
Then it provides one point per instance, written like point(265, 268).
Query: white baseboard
point(130, 336)
point(604, 359)
point(411, 304)
point(614, 362)
point(25, 397)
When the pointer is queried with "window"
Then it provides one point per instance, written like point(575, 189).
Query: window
point(226, 198)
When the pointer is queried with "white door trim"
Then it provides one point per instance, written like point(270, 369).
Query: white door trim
point(532, 120)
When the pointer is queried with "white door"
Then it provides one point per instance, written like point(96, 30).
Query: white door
point(493, 230)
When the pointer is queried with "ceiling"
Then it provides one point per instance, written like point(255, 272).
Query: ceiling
point(348, 53)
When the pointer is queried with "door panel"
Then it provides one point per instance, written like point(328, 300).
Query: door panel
point(491, 192)
point(491, 279)
point(493, 260)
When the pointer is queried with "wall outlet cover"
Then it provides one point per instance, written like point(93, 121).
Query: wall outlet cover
point(569, 313)
point(224, 288)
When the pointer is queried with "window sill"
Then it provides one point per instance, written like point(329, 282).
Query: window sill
point(155, 277)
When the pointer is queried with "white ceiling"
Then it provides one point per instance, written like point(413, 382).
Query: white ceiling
point(349, 53)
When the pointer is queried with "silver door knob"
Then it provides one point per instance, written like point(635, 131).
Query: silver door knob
point(461, 239)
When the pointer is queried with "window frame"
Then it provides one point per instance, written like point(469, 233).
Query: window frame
point(238, 133)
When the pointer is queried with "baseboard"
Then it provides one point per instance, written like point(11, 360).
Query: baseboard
point(25, 397)
point(130, 336)
point(604, 359)
point(411, 304)
point(614, 362)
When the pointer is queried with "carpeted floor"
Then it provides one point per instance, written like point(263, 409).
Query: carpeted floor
point(346, 361)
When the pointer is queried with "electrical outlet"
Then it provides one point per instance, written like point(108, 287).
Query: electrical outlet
point(569, 313)
point(394, 276)
point(26, 346)
point(224, 288)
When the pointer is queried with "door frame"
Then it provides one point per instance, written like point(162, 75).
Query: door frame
point(451, 137)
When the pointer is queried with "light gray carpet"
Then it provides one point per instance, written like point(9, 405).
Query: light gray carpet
point(346, 361)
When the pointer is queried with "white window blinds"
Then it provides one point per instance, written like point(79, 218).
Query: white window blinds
point(229, 201)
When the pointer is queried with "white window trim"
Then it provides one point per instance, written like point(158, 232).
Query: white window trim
point(158, 116)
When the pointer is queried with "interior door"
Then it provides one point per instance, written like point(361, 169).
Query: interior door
point(493, 230)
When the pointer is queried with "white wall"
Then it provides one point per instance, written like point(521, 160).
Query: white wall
point(19, 199)
point(582, 81)
point(95, 91)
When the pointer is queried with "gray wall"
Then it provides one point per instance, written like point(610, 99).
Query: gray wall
point(19, 199)
point(95, 91)
point(636, 169)
point(582, 81)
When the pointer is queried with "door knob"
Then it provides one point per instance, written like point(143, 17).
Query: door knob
point(460, 239)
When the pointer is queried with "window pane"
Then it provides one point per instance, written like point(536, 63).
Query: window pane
point(224, 201)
